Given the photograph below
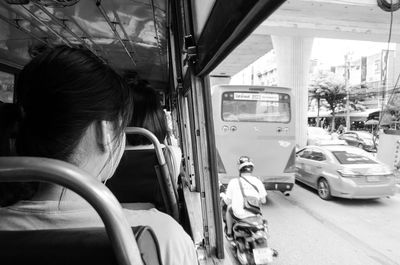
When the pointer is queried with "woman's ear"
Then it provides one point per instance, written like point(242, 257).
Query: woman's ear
point(103, 134)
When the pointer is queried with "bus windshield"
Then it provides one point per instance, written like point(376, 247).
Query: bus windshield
point(255, 107)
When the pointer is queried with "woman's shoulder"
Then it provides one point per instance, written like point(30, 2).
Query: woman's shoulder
point(175, 244)
point(155, 219)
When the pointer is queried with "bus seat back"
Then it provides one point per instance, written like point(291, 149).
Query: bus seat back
point(135, 179)
point(78, 246)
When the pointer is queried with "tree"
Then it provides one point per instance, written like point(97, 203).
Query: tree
point(358, 94)
point(314, 93)
point(333, 92)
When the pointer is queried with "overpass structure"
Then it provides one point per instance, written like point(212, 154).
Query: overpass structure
point(291, 30)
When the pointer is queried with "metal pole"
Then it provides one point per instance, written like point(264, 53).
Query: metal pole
point(114, 30)
point(346, 80)
point(64, 39)
point(65, 27)
point(15, 24)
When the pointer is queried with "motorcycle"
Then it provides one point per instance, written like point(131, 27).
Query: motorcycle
point(250, 241)
point(250, 238)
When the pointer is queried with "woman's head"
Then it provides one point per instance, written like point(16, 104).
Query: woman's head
point(147, 114)
point(61, 93)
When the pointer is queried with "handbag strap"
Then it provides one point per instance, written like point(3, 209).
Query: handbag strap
point(254, 186)
point(241, 186)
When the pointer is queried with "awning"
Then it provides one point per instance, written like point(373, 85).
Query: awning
point(371, 122)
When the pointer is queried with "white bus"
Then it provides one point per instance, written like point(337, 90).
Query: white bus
point(256, 121)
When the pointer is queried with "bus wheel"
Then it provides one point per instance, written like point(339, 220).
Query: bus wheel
point(324, 191)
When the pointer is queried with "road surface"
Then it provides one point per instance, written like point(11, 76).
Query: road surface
point(309, 231)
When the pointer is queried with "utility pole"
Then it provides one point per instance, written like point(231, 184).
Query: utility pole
point(346, 84)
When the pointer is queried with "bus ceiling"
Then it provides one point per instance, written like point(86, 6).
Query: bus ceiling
point(228, 24)
point(129, 35)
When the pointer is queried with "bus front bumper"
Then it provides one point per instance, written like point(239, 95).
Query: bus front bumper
point(282, 183)
point(282, 186)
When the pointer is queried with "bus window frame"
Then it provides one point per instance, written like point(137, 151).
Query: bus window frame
point(212, 47)
point(215, 45)
point(206, 166)
point(12, 71)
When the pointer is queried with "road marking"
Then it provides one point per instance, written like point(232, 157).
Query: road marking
point(367, 249)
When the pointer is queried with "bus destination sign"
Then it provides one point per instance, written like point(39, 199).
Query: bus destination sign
point(256, 96)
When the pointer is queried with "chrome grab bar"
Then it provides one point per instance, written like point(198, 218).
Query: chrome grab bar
point(20, 169)
point(169, 193)
point(153, 139)
point(114, 30)
point(14, 23)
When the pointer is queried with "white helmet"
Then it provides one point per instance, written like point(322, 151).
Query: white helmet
point(245, 165)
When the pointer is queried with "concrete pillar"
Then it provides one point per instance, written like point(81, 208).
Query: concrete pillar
point(293, 61)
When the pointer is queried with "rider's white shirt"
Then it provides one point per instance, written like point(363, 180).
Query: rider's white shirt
point(234, 195)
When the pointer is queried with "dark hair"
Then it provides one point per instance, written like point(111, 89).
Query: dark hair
point(60, 93)
point(147, 114)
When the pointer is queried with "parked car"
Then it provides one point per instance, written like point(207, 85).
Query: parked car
point(360, 139)
point(331, 142)
point(317, 134)
point(344, 171)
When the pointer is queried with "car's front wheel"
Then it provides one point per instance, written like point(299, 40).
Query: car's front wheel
point(324, 191)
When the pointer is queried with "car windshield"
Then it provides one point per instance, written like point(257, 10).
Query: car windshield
point(346, 157)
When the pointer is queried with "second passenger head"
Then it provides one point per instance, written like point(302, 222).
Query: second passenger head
point(147, 113)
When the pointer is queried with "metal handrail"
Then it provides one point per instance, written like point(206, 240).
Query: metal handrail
point(114, 30)
point(170, 193)
point(21, 169)
point(15, 24)
point(153, 139)
point(64, 39)
point(118, 20)
point(87, 35)
point(65, 27)
point(23, 16)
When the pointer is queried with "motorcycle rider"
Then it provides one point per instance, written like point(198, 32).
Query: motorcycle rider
point(249, 186)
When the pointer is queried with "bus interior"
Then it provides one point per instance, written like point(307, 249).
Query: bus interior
point(173, 45)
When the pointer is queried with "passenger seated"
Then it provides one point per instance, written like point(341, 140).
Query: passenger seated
point(75, 108)
point(246, 185)
point(148, 114)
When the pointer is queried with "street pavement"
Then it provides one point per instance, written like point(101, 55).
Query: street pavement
point(307, 230)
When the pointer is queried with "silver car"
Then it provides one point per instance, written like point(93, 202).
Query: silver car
point(344, 171)
point(360, 139)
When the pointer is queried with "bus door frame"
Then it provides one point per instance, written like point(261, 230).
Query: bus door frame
point(211, 47)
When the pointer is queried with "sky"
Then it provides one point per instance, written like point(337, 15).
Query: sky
point(332, 51)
